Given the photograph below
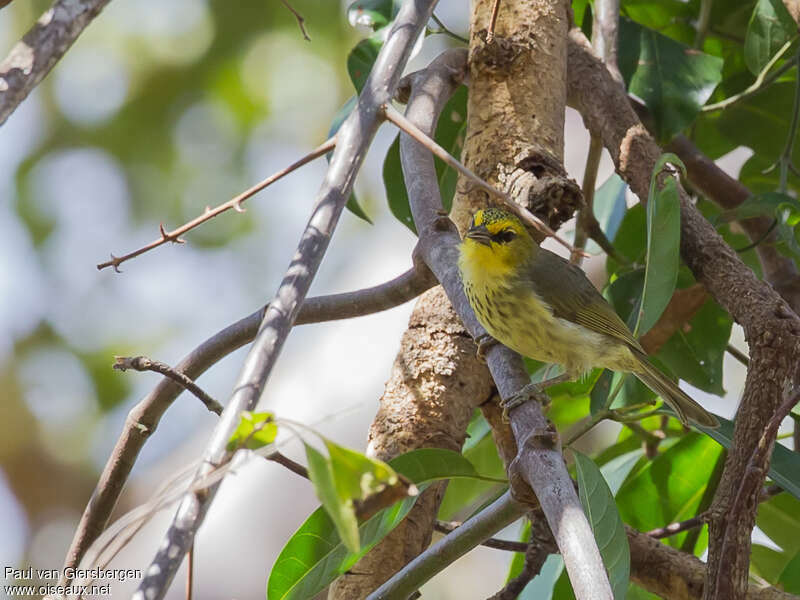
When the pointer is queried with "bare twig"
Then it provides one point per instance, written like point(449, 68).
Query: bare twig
point(406, 126)
point(493, 22)
point(445, 30)
point(703, 21)
point(680, 526)
point(737, 354)
point(535, 555)
point(293, 466)
point(353, 139)
point(448, 527)
point(300, 20)
point(234, 203)
point(40, 49)
point(189, 572)
point(586, 213)
point(502, 512)
point(142, 363)
point(539, 465)
point(143, 418)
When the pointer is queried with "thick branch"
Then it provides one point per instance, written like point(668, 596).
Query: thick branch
point(40, 49)
point(143, 418)
point(539, 463)
point(771, 328)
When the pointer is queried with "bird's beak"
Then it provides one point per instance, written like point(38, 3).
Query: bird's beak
point(480, 234)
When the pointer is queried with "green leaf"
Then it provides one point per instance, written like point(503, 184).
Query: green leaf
point(616, 470)
point(663, 243)
point(609, 532)
point(374, 14)
point(770, 27)
point(356, 475)
point(598, 399)
point(340, 510)
point(779, 518)
point(609, 208)
point(477, 429)
point(352, 203)
point(784, 466)
point(670, 487)
point(465, 493)
point(255, 430)
point(695, 353)
point(674, 80)
point(450, 131)
point(790, 578)
point(361, 59)
point(427, 464)
point(768, 563)
point(541, 586)
point(314, 556)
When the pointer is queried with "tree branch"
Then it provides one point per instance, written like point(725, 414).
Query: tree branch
point(353, 139)
point(234, 203)
point(501, 513)
point(143, 418)
point(40, 49)
point(772, 329)
point(539, 463)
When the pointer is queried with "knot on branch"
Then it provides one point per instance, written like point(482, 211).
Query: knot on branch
point(497, 53)
point(540, 184)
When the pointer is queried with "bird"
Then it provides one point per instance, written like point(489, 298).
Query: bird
point(544, 307)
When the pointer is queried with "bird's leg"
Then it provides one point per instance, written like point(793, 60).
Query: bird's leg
point(534, 391)
point(484, 342)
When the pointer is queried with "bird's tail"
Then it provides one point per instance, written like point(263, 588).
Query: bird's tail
point(686, 408)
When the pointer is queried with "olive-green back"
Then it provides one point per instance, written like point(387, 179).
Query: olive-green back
point(572, 296)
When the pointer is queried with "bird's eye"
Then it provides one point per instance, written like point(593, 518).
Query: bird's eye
point(504, 236)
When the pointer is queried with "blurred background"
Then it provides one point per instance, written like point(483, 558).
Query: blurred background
point(158, 110)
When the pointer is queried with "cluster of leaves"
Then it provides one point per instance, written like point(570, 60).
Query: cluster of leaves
point(676, 70)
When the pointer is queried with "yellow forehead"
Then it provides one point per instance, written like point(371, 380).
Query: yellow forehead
point(495, 219)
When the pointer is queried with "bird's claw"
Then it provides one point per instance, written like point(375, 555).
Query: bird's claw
point(532, 391)
point(484, 342)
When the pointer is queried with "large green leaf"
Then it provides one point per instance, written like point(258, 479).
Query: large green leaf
point(609, 208)
point(663, 244)
point(669, 488)
point(784, 464)
point(768, 563)
point(361, 59)
point(790, 577)
point(779, 518)
point(609, 532)
point(541, 586)
point(770, 27)
point(427, 464)
point(352, 202)
point(695, 353)
point(673, 80)
point(616, 470)
point(449, 135)
point(314, 556)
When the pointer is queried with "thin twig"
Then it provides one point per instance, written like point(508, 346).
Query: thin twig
point(443, 29)
point(31, 59)
point(785, 161)
point(143, 418)
point(300, 20)
point(501, 513)
point(234, 203)
point(738, 354)
point(448, 527)
point(294, 467)
point(761, 82)
point(189, 572)
point(353, 140)
point(703, 21)
point(586, 213)
point(142, 363)
point(604, 35)
point(493, 22)
point(535, 555)
point(393, 116)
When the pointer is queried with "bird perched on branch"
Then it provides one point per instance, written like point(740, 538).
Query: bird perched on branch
point(543, 307)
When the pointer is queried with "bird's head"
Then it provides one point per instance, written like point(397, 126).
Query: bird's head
point(496, 242)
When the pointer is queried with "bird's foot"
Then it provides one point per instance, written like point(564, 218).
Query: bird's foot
point(484, 342)
point(532, 391)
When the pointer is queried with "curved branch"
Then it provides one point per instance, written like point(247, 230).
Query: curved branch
point(40, 49)
point(539, 463)
point(143, 418)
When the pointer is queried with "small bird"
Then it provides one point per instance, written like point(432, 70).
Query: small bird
point(543, 307)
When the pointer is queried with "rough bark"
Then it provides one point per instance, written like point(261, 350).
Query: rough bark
point(435, 384)
point(515, 129)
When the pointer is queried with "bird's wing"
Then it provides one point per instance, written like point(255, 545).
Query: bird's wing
point(572, 296)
